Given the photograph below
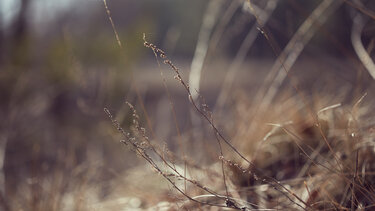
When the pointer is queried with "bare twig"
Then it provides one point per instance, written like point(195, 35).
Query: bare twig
point(141, 150)
point(272, 181)
point(112, 23)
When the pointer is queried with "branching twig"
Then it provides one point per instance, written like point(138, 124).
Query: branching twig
point(272, 181)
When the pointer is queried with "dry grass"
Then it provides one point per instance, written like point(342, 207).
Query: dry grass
point(289, 153)
point(308, 161)
point(292, 152)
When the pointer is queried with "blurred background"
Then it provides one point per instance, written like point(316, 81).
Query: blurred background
point(60, 66)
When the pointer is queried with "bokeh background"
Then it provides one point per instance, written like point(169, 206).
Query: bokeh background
point(60, 66)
